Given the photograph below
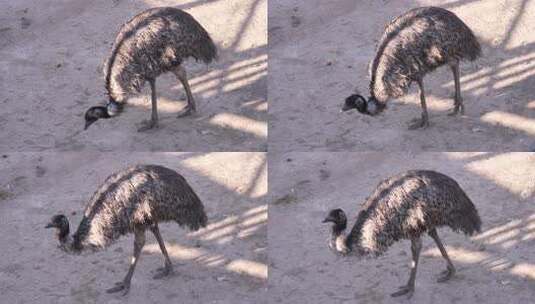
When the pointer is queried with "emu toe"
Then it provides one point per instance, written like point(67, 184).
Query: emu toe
point(125, 287)
point(404, 290)
point(163, 272)
point(418, 123)
point(446, 275)
point(186, 112)
point(147, 125)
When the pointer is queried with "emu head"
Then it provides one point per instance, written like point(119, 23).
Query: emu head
point(61, 223)
point(338, 218)
point(338, 240)
point(95, 113)
point(370, 107)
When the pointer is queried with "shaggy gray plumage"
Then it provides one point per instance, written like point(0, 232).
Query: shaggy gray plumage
point(154, 42)
point(132, 201)
point(413, 45)
point(406, 206)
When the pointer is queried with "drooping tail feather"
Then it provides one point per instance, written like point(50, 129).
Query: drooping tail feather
point(466, 220)
point(190, 209)
point(196, 216)
point(206, 51)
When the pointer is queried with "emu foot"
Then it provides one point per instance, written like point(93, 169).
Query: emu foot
point(147, 125)
point(446, 275)
point(186, 112)
point(408, 290)
point(163, 272)
point(124, 286)
point(418, 123)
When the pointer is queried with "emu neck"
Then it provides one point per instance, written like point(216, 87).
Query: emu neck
point(116, 92)
point(355, 241)
point(338, 239)
point(63, 234)
point(66, 240)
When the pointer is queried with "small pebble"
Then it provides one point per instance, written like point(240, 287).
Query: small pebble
point(40, 171)
point(295, 21)
point(526, 193)
point(25, 23)
point(207, 132)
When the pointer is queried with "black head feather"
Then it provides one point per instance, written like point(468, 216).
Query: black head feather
point(93, 114)
point(61, 223)
point(370, 107)
point(338, 217)
point(355, 101)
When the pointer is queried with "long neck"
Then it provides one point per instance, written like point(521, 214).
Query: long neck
point(114, 88)
point(354, 237)
point(115, 92)
point(65, 240)
point(338, 239)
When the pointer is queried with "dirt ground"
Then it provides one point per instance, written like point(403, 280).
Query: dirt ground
point(319, 53)
point(51, 59)
point(496, 266)
point(226, 262)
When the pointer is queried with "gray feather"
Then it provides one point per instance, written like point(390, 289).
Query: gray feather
point(136, 198)
point(154, 42)
point(409, 204)
point(415, 44)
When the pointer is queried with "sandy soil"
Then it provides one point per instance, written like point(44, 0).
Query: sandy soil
point(495, 266)
point(319, 53)
point(226, 262)
point(51, 59)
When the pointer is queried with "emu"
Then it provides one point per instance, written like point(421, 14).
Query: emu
point(132, 201)
point(411, 46)
point(406, 206)
point(154, 42)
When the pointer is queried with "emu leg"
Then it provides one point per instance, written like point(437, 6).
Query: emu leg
point(416, 246)
point(450, 271)
point(168, 267)
point(424, 121)
point(124, 285)
point(458, 105)
point(153, 123)
point(180, 73)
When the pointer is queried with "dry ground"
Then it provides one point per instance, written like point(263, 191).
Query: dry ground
point(226, 262)
point(51, 58)
point(496, 266)
point(319, 53)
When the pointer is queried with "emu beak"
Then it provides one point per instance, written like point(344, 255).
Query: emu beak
point(88, 123)
point(328, 219)
point(49, 225)
point(345, 108)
